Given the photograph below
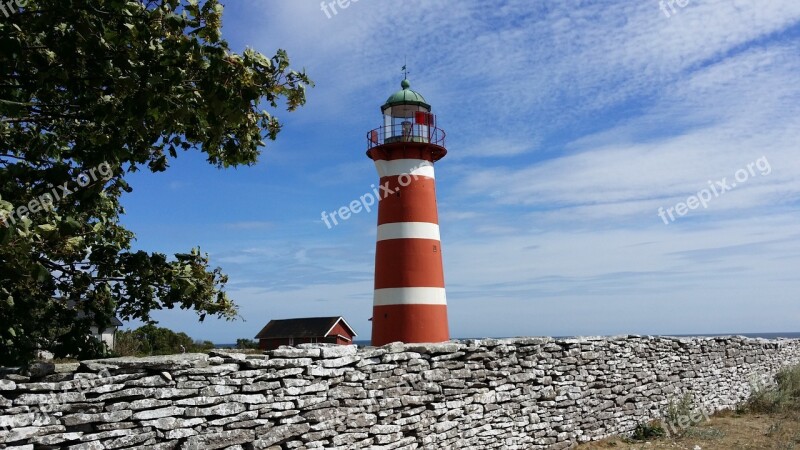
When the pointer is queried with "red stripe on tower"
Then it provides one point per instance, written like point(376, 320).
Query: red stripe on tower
point(409, 303)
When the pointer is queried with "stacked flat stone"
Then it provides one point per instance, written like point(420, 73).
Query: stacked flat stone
point(533, 393)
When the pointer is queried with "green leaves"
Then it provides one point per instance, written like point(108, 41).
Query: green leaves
point(47, 228)
point(41, 274)
point(131, 84)
point(176, 20)
point(73, 244)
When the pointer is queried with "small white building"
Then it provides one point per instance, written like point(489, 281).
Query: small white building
point(108, 335)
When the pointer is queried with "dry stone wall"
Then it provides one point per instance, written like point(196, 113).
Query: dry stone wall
point(533, 393)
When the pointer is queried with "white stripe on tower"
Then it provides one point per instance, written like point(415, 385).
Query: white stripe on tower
point(410, 296)
point(408, 230)
point(397, 167)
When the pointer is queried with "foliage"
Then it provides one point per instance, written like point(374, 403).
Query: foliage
point(246, 344)
point(126, 343)
point(129, 85)
point(647, 431)
point(677, 409)
point(202, 346)
point(679, 415)
point(783, 396)
point(675, 414)
point(152, 340)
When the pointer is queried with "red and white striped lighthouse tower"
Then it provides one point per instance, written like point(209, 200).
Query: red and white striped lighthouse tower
point(409, 303)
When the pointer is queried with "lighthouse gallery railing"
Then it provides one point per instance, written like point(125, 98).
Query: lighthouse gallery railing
point(405, 133)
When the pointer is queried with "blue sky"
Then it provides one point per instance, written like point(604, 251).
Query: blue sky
point(569, 125)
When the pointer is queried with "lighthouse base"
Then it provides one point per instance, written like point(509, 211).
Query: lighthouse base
point(409, 324)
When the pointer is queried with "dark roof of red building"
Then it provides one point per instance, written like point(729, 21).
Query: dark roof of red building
point(304, 327)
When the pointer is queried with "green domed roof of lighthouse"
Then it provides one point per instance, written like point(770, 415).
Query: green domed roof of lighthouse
point(405, 96)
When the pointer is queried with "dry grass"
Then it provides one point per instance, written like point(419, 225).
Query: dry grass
point(727, 431)
point(769, 420)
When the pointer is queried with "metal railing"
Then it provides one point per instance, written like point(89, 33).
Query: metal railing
point(405, 133)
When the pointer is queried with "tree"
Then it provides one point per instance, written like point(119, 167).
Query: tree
point(91, 90)
point(153, 340)
point(246, 344)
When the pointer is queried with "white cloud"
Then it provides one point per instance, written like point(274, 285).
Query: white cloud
point(727, 125)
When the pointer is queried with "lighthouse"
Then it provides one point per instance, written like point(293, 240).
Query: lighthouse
point(409, 303)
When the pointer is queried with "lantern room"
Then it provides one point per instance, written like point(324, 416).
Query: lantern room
point(407, 117)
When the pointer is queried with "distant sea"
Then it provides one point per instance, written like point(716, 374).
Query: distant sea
point(788, 335)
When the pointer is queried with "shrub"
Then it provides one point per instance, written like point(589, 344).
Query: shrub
point(246, 344)
point(788, 381)
point(783, 396)
point(677, 409)
point(152, 340)
point(648, 431)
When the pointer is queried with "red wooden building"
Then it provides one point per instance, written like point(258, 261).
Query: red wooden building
point(310, 330)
